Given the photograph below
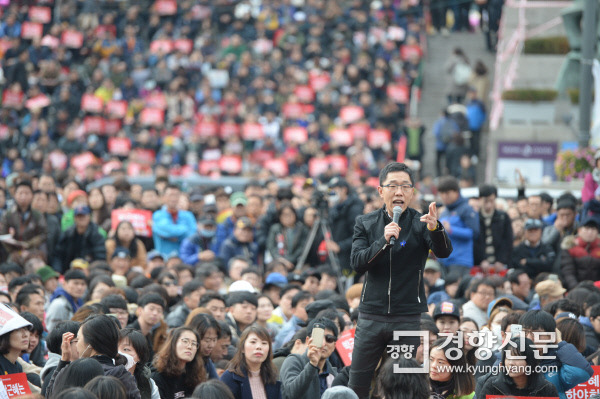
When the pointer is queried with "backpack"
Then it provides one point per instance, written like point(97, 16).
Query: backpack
point(448, 130)
point(461, 73)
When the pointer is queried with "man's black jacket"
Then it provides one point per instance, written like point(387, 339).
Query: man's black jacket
point(394, 279)
point(502, 236)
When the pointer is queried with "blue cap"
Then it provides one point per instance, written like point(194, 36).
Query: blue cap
point(277, 279)
point(154, 254)
point(502, 301)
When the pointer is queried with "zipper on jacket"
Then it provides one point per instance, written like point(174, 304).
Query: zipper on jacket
point(378, 252)
point(419, 288)
point(390, 287)
point(364, 289)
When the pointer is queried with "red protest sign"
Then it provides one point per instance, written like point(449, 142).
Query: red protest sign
point(15, 385)
point(139, 218)
point(93, 124)
point(318, 81)
point(184, 45)
point(292, 110)
point(161, 46)
point(410, 50)
point(360, 130)
point(156, 99)
point(31, 30)
point(116, 109)
point(398, 93)
point(278, 166)
point(295, 134)
point(342, 137)
point(4, 132)
point(588, 388)
point(72, 39)
point(81, 161)
point(119, 146)
point(229, 129)
point(231, 164)
point(143, 155)
point(351, 113)
point(252, 131)
point(112, 126)
point(165, 7)
point(207, 129)
point(38, 102)
point(91, 103)
point(40, 14)
point(12, 99)
point(305, 93)
point(338, 163)
point(259, 157)
point(379, 137)
point(317, 166)
point(108, 167)
point(206, 167)
point(263, 46)
point(58, 159)
point(345, 346)
point(152, 117)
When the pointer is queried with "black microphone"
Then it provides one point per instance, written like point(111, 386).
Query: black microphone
point(397, 213)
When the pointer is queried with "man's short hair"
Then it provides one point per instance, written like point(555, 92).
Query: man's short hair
point(24, 183)
point(326, 323)
point(11, 267)
point(429, 325)
point(513, 275)
point(249, 270)
point(300, 296)
point(24, 295)
point(287, 288)
point(538, 320)
point(54, 340)
point(240, 297)
point(595, 311)
point(485, 190)
point(448, 183)
point(209, 296)
point(36, 323)
point(395, 167)
point(190, 287)
point(18, 281)
point(476, 283)
point(172, 186)
point(114, 301)
point(239, 257)
point(75, 274)
point(154, 298)
point(225, 330)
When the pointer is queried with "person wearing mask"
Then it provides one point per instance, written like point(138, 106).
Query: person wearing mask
point(461, 222)
point(393, 296)
point(307, 376)
point(66, 300)
point(251, 372)
point(133, 343)
point(197, 247)
point(179, 365)
point(98, 338)
point(532, 255)
point(27, 227)
point(493, 247)
point(170, 224)
point(83, 240)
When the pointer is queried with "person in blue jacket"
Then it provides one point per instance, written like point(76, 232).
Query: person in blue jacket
point(170, 225)
point(251, 372)
point(197, 247)
point(461, 223)
point(564, 366)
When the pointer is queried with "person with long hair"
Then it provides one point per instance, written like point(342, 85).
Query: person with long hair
point(209, 330)
point(392, 385)
point(133, 343)
point(106, 387)
point(98, 338)
point(518, 376)
point(468, 327)
point(82, 372)
point(179, 365)
point(287, 237)
point(212, 389)
point(100, 210)
point(446, 384)
point(124, 237)
point(251, 373)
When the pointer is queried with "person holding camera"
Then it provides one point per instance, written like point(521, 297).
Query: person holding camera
point(307, 376)
point(391, 250)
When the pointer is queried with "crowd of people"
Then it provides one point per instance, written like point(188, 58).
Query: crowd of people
point(224, 296)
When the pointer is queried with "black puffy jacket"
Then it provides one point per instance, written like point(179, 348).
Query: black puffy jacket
point(394, 280)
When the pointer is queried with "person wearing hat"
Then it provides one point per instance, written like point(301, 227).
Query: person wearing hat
point(170, 224)
point(393, 296)
point(74, 199)
point(154, 260)
point(66, 300)
point(49, 279)
point(196, 203)
point(14, 340)
point(345, 207)
point(241, 242)
point(591, 180)
point(119, 262)
point(532, 255)
point(83, 240)
point(432, 273)
point(580, 255)
point(564, 225)
point(197, 247)
point(273, 285)
point(549, 291)
point(238, 202)
point(26, 226)
point(446, 316)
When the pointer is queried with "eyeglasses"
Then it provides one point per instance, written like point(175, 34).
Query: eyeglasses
point(394, 187)
point(486, 293)
point(187, 342)
point(330, 338)
point(168, 283)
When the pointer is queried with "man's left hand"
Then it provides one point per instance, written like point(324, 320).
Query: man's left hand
point(333, 246)
point(431, 218)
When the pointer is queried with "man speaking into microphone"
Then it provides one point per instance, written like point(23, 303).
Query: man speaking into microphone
point(390, 245)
